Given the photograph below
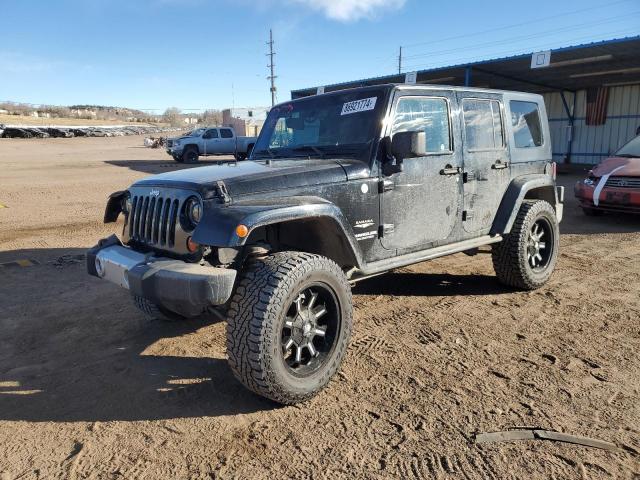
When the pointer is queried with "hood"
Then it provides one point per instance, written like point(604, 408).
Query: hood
point(250, 177)
point(629, 167)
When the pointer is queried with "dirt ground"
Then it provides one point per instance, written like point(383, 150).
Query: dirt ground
point(441, 351)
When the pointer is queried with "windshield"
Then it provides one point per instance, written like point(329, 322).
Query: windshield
point(194, 133)
point(323, 126)
point(631, 149)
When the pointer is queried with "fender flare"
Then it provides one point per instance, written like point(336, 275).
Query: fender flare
point(114, 206)
point(218, 225)
point(514, 196)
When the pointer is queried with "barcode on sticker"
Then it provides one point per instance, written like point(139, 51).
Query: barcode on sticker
point(359, 106)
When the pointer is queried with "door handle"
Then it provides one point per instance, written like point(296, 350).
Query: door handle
point(499, 165)
point(449, 170)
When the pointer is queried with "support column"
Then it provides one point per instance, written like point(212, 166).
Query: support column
point(467, 76)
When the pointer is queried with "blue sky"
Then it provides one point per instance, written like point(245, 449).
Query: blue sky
point(196, 54)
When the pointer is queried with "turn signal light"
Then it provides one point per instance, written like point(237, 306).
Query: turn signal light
point(192, 246)
point(242, 231)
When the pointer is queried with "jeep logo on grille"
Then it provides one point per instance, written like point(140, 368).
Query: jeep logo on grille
point(154, 193)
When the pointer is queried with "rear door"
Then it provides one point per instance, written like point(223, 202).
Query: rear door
point(420, 204)
point(486, 159)
point(227, 141)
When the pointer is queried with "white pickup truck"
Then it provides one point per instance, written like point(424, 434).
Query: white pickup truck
point(209, 141)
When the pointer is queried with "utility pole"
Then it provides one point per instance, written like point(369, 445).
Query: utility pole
point(400, 62)
point(272, 77)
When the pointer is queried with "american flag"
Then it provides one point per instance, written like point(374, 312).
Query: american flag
point(597, 99)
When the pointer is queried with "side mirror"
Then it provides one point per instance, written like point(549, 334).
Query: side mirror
point(408, 145)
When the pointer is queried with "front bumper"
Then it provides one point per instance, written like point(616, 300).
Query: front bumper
point(610, 199)
point(174, 151)
point(184, 288)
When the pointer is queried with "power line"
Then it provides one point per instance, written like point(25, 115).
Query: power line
point(272, 77)
point(506, 27)
point(522, 37)
point(513, 52)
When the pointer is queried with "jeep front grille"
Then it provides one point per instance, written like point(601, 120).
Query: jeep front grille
point(623, 182)
point(153, 220)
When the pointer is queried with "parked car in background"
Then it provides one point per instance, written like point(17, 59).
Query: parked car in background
point(209, 141)
point(614, 185)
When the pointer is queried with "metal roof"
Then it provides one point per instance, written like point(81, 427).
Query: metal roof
point(607, 62)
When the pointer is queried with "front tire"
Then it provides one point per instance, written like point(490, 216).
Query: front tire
point(153, 312)
point(289, 324)
point(527, 256)
point(190, 155)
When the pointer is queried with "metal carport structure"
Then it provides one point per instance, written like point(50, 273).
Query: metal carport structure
point(571, 72)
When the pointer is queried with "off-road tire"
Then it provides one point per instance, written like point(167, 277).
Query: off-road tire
point(257, 312)
point(509, 257)
point(190, 155)
point(153, 312)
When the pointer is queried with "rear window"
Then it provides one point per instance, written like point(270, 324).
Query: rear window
point(482, 124)
point(525, 119)
point(226, 133)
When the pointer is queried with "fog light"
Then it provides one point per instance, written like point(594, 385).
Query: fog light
point(99, 267)
point(192, 246)
point(242, 231)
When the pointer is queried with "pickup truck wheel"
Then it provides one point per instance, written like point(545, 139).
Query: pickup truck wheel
point(190, 155)
point(154, 312)
point(526, 257)
point(289, 324)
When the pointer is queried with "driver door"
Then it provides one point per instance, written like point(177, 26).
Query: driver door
point(420, 205)
point(211, 141)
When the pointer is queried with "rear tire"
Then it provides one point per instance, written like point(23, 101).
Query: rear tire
point(526, 257)
point(239, 156)
point(289, 324)
point(190, 155)
point(154, 312)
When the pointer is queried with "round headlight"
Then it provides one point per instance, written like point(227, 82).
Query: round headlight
point(194, 211)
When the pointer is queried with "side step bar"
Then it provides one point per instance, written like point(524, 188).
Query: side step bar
point(421, 256)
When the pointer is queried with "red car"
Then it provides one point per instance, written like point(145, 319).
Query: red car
point(614, 185)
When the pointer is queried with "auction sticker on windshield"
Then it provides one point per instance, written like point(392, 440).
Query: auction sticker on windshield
point(359, 106)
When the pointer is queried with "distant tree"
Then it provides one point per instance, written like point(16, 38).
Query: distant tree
point(172, 115)
point(211, 117)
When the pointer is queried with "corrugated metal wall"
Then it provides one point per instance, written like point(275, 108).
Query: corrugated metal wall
point(593, 144)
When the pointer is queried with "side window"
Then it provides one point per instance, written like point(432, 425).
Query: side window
point(430, 115)
point(482, 124)
point(527, 129)
point(212, 133)
point(226, 133)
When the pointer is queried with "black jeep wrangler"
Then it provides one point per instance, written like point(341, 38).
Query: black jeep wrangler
point(339, 187)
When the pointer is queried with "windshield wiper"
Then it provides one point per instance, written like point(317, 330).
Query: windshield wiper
point(307, 148)
point(266, 150)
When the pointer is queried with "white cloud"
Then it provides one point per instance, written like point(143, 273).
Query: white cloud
point(351, 10)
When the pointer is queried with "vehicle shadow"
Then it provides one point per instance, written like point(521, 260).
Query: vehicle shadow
point(153, 167)
point(400, 283)
point(75, 349)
